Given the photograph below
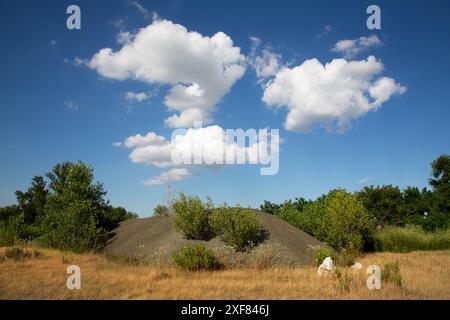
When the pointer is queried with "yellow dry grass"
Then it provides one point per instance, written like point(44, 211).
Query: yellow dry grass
point(425, 275)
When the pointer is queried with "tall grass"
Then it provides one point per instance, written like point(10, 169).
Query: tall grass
point(407, 239)
point(424, 275)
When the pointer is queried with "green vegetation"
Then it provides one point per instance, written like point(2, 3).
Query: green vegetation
point(338, 218)
point(406, 239)
point(391, 273)
point(200, 220)
point(70, 213)
point(320, 253)
point(18, 253)
point(161, 210)
point(195, 258)
point(191, 217)
point(345, 222)
point(349, 222)
point(236, 226)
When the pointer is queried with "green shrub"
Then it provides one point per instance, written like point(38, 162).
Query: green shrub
point(195, 258)
point(17, 253)
point(8, 235)
point(338, 218)
point(161, 210)
point(391, 273)
point(344, 281)
point(346, 222)
point(191, 217)
point(347, 256)
point(411, 238)
point(238, 227)
point(72, 227)
point(321, 252)
point(440, 240)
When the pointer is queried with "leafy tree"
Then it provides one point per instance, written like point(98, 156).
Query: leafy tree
point(346, 223)
point(269, 207)
point(161, 210)
point(32, 202)
point(383, 203)
point(59, 175)
point(337, 218)
point(300, 203)
point(8, 212)
point(76, 212)
point(440, 183)
point(272, 208)
point(440, 172)
point(113, 216)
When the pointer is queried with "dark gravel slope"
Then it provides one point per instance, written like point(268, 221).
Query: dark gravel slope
point(154, 239)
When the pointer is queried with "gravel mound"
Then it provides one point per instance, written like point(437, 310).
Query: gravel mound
point(154, 239)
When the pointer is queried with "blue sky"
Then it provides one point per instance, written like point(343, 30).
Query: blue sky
point(53, 110)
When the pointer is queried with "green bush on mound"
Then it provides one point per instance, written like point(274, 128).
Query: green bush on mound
point(411, 238)
point(195, 258)
point(191, 217)
point(238, 227)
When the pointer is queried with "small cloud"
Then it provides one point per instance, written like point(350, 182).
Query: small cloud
point(351, 48)
point(117, 144)
point(137, 96)
point(148, 15)
point(71, 105)
point(52, 43)
point(176, 174)
point(150, 138)
point(119, 23)
point(80, 62)
point(77, 61)
point(364, 180)
point(264, 61)
point(325, 32)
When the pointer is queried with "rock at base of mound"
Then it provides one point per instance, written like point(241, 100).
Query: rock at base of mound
point(154, 240)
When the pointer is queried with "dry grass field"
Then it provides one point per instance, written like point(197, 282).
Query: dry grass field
point(425, 275)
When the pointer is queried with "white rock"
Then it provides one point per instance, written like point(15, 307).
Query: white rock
point(357, 266)
point(326, 267)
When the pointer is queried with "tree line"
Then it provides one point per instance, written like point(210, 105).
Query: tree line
point(64, 209)
point(348, 220)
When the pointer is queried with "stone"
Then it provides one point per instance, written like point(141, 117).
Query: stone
point(357, 266)
point(326, 267)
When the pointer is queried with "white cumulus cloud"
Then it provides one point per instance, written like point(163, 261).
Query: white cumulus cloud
point(330, 95)
point(175, 174)
point(200, 69)
point(138, 140)
point(351, 48)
